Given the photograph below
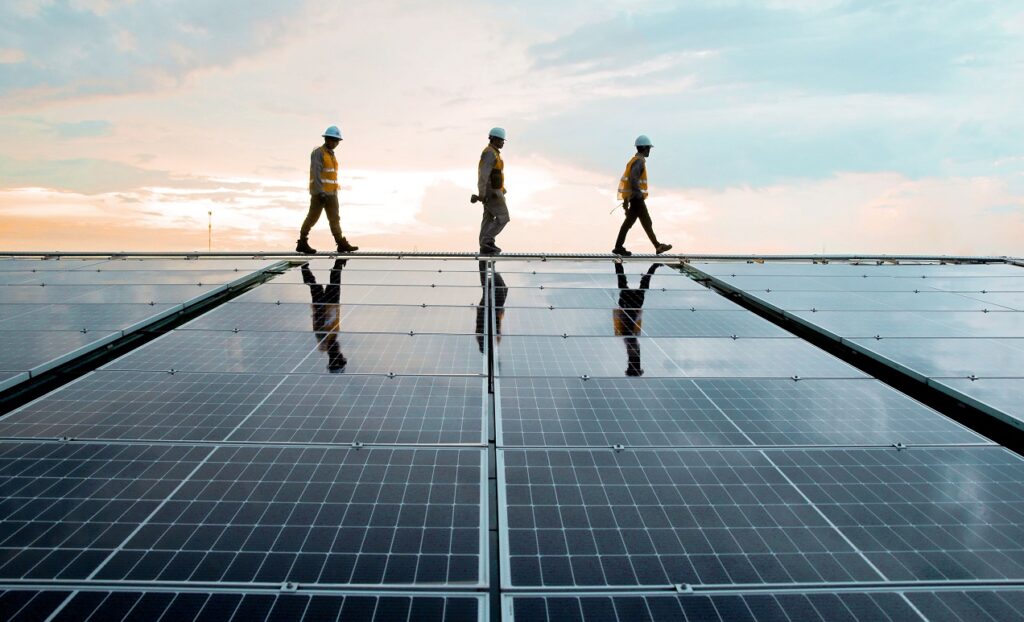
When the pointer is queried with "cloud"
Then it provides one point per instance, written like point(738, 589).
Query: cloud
point(80, 129)
point(10, 56)
point(88, 48)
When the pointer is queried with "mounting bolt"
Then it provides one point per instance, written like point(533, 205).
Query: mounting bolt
point(584, 377)
point(618, 447)
point(795, 378)
point(289, 586)
point(899, 446)
point(357, 445)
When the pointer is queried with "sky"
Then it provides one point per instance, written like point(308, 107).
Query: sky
point(779, 126)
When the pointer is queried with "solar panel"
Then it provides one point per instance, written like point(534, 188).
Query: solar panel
point(671, 357)
point(752, 607)
point(93, 317)
point(1003, 395)
point(39, 350)
point(141, 277)
point(658, 518)
point(166, 606)
point(922, 513)
point(149, 406)
point(408, 410)
point(301, 352)
point(330, 516)
point(422, 278)
point(598, 298)
point(998, 358)
point(1010, 300)
point(601, 412)
point(354, 318)
point(829, 412)
point(274, 292)
point(853, 324)
point(872, 301)
point(668, 279)
point(11, 378)
point(650, 322)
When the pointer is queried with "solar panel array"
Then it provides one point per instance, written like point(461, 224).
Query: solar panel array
point(55, 310)
point(327, 446)
point(256, 463)
point(664, 454)
point(958, 327)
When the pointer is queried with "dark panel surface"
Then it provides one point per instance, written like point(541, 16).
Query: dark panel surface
point(664, 517)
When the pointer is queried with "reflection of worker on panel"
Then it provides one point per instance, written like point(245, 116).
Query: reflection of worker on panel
point(628, 318)
point(500, 293)
point(326, 314)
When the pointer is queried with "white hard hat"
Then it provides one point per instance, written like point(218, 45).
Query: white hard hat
point(497, 132)
point(643, 141)
point(332, 132)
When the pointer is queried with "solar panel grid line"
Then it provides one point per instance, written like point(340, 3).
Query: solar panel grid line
point(653, 607)
point(442, 484)
point(799, 546)
point(155, 511)
point(257, 606)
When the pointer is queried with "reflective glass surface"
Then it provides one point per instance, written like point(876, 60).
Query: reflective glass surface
point(649, 322)
point(305, 352)
point(752, 607)
point(853, 324)
point(603, 518)
point(91, 317)
point(873, 301)
point(31, 350)
point(951, 357)
point(597, 298)
point(232, 606)
point(672, 357)
point(134, 277)
point(1005, 395)
point(274, 291)
point(340, 516)
point(353, 318)
point(830, 412)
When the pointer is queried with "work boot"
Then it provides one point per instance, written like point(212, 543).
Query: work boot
point(621, 251)
point(662, 248)
point(489, 249)
point(302, 246)
point(345, 247)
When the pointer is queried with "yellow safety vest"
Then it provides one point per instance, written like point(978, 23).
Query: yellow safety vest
point(328, 174)
point(626, 324)
point(624, 189)
point(499, 165)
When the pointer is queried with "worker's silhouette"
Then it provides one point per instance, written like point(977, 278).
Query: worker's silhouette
point(500, 293)
point(627, 319)
point(326, 314)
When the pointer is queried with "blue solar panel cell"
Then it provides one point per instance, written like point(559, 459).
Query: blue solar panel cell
point(921, 514)
point(1002, 396)
point(352, 318)
point(199, 606)
point(146, 406)
point(830, 412)
point(91, 317)
point(418, 295)
point(37, 351)
point(854, 324)
point(304, 352)
point(666, 357)
point(326, 516)
point(949, 358)
point(650, 322)
point(575, 518)
point(753, 607)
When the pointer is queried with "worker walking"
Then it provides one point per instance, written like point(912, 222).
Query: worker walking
point(323, 194)
point(633, 194)
point(491, 191)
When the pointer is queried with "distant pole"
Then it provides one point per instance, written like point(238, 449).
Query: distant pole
point(209, 231)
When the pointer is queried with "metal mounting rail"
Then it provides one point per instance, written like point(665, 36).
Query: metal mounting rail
point(685, 257)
